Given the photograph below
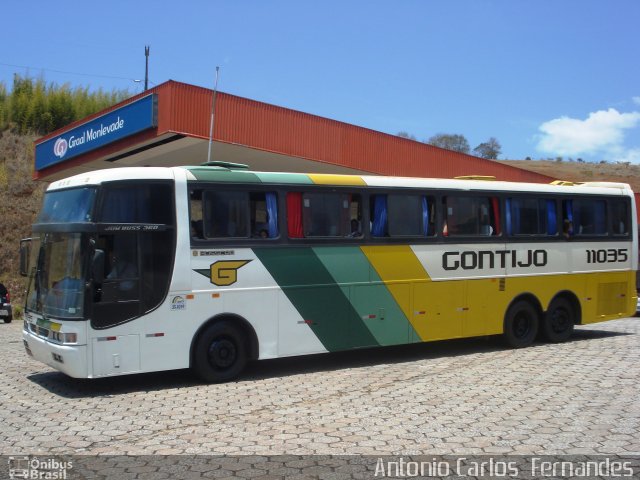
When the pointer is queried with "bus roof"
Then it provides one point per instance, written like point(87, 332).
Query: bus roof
point(222, 174)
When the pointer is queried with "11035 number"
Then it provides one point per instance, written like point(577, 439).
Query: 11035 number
point(609, 255)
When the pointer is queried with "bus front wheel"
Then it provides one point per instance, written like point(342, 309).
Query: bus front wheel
point(520, 324)
point(220, 354)
point(558, 322)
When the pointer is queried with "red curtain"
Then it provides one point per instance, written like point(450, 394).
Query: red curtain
point(294, 214)
point(496, 214)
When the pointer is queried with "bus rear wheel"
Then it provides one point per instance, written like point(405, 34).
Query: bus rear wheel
point(220, 354)
point(559, 320)
point(520, 324)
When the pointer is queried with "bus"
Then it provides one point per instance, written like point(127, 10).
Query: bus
point(208, 267)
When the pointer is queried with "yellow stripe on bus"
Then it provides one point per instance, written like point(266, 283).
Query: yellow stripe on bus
point(328, 179)
point(400, 269)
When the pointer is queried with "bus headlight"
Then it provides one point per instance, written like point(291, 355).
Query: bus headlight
point(64, 338)
point(70, 338)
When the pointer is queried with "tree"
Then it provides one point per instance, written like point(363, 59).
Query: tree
point(450, 141)
point(489, 149)
point(406, 135)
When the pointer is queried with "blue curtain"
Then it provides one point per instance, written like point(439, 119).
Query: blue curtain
point(379, 227)
point(272, 212)
point(508, 215)
point(568, 213)
point(425, 217)
point(121, 206)
point(517, 228)
point(552, 220)
point(600, 224)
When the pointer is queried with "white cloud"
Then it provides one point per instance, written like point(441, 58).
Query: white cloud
point(636, 100)
point(632, 156)
point(602, 133)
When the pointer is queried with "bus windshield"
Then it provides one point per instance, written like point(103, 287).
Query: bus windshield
point(57, 275)
point(68, 206)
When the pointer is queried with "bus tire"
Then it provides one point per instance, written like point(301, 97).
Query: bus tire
point(520, 324)
point(558, 322)
point(220, 353)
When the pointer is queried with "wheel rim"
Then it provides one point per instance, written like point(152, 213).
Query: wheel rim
point(560, 320)
point(522, 325)
point(222, 353)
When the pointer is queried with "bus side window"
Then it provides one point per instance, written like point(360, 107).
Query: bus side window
point(409, 215)
point(379, 216)
point(620, 217)
point(567, 220)
point(294, 215)
point(226, 214)
point(471, 216)
point(530, 216)
point(355, 216)
point(318, 214)
point(233, 214)
point(495, 216)
point(326, 214)
point(195, 214)
point(589, 216)
point(264, 215)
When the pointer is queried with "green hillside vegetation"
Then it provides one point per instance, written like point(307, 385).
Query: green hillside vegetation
point(34, 107)
point(30, 109)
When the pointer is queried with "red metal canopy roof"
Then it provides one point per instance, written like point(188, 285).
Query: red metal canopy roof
point(184, 111)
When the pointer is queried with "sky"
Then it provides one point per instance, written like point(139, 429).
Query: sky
point(546, 78)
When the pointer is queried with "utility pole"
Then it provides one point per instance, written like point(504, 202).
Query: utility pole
point(213, 110)
point(146, 67)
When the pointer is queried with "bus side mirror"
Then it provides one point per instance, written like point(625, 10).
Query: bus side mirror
point(97, 266)
point(25, 251)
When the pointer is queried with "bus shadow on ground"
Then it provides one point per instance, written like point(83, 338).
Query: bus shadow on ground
point(368, 357)
point(60, 384)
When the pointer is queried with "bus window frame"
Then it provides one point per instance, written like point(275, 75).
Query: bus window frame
point(367, 192)
point(472, 237)
point(559, 199)
point(627, 201)
point(249, 188)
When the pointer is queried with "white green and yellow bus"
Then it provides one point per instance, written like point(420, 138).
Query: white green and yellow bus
point(208, 267)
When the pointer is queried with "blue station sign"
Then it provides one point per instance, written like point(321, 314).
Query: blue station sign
point(128, 120)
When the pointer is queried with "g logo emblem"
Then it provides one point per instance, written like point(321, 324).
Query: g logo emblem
point(225, 272)
point(60, 147)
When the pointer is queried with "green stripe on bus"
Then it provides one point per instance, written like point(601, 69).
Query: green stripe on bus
point(215, 174)
point(284, 178)
point(322, 304)
point(368, 294)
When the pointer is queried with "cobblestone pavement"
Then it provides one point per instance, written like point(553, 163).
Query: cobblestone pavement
point(456, 397)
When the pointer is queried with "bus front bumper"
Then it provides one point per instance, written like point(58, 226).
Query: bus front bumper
point(69, 359)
